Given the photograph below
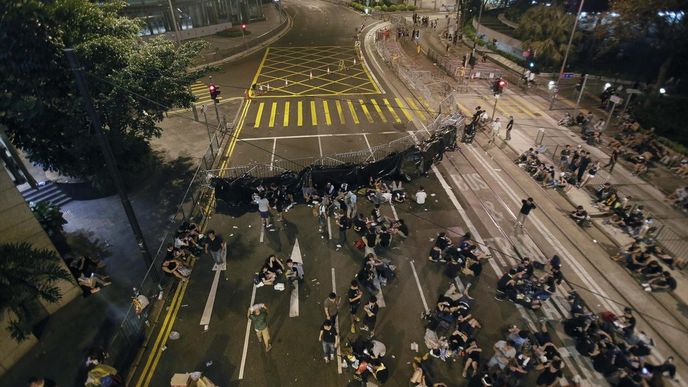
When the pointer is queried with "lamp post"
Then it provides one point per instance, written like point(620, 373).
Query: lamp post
point(477, 30)
point(174, 23)
point(566, 55)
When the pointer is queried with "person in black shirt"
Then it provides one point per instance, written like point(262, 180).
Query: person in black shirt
point(344, 224)
point(354, 295)
point(526, 207)
point(442, 241)
point(664, 283)
point(385, 237)
point(402, 229)
point(371, 308)
point(329, 339)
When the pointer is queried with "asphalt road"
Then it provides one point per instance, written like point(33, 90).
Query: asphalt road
point(322, 103)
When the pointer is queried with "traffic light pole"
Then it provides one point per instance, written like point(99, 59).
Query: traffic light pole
point(566, 55)
point(204, 109)
point(580, 94)
point(110, 161)
point(494, 107)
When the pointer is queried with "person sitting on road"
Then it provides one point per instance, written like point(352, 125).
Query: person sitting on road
point(421, 195)
point(663, 283)
point(398, 194)
point(294, 271)
point(274, 264)
point(580, 215)
point(265, 277)
point(177, 268)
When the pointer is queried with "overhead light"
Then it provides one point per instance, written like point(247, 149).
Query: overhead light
point(662, 91)
point(606, 86)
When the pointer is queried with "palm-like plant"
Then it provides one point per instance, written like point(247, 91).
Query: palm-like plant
point(26, 276)
point(546, 31)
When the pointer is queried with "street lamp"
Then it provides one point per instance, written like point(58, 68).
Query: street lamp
point(662, 91)
point(566, 55)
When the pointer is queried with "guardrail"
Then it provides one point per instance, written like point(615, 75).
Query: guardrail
point(134, 328)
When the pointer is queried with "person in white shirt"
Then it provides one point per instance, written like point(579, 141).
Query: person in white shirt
point(496, 127)
point(421, 196)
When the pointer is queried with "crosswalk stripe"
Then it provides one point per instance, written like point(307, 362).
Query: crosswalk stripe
point(314, 116)
point(403, 109)
point(378, 110)
point(415, 108)
point(365, 111)
point(273, 113)
point(340, 113)
point(492, 102)
point(299, 113)
point(391, 110)
point(285, 121)
point(328, 119)
point(354, 116)
point(259, 115)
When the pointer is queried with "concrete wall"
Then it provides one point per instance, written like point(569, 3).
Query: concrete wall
point(198, 32)
point(19, 225)
point(504, 42)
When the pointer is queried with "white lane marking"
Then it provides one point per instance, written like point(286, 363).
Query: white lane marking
point(262, 232)
point(336, 323)
point(210, 302)
point(459, 284)
point(246, 336)
point(369, 147)
point(294, 298)
point(394, 210)
point(369, 38)
point(329, 228)
point(380, 297)
point(420, 289)
point(320, 146)
point(312, 135)
point(272, 156)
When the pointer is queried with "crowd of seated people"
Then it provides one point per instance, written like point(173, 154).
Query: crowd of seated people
point(365, 357)
point(642, 258)
point(460, 257)
point(273, 269)
point(679, 198)
point(181, 254)
point(616, 349)
point(521, 286)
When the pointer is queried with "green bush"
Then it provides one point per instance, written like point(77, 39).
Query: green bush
point(234, 32)
point(377, 8)
point(383, 8)
point(391, 8)
point(410, 7)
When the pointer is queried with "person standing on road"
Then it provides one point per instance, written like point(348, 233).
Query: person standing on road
point(370, 308)
point(344, 224)
point(612, 159)
point(355, 294)
point(583, 165)
point(526, 207)
point(217, 248)
point(509, 126)
point(564, 156)
point(258, 314)
point(331, 307)
point(351, 200)
point(264, 210)
point(329, 339)
point(496, 127)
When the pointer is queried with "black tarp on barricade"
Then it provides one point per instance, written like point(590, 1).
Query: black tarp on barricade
point(415, 161)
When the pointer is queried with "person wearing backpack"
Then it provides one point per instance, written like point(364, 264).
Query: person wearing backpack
point(344, 224)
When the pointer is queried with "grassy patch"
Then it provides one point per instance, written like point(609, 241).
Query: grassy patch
point(234, 32)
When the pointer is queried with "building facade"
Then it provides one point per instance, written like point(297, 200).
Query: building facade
point(191, 14)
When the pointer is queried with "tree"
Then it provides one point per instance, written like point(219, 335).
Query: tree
point(133, 82)
point(657, 25)
point(27, 275)
point(546, 30)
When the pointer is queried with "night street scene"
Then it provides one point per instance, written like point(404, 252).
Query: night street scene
point(427, 193)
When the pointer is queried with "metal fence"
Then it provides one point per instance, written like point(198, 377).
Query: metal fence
point(133, 329)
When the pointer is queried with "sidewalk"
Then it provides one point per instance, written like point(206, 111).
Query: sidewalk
point(66, 336)
point(674, 302)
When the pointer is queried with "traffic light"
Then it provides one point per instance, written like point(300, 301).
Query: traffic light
point(214, 91)
point(498, 86)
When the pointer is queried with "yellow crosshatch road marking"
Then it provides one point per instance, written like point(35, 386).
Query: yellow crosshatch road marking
point(391, 110)
point(299, 113)
point(340, 113)
point(378, 110)
point(415, 109)
point(403, 109)
point(314, 116)
point(259, 115)
point(465, 110)
point(273, 113)
point(328, 119)
point(285, 122)
point(365, 111)
point(314, 71)
point(354, 116)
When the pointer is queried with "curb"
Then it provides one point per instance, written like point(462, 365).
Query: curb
point(286, 27)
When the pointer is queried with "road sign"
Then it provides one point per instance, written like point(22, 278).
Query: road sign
point(567, 75)
point(633, 91)
point(615, 99)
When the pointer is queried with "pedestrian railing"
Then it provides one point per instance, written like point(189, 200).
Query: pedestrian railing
point(135, 326)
